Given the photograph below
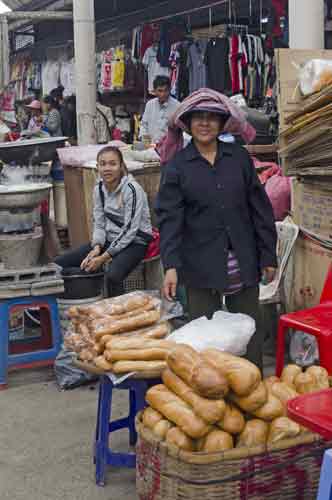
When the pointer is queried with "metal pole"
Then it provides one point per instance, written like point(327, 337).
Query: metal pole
point(85, 69)
point(43, 15)
point(306, 24)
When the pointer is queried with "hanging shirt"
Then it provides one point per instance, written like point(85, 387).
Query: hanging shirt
point(197, 66)
point(50, 76)
point(118, 68)
point(153, 67)
point(156, 117)
point(217, 62)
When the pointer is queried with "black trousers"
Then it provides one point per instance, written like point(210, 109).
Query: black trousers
point(122, 264)
point(205, 302)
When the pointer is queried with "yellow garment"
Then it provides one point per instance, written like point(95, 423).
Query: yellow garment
point(118, 68)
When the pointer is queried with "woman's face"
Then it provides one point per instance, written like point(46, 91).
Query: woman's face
point(205, 127)
point(110, 168)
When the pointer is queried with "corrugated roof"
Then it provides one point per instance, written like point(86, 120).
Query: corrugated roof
point(35, 4)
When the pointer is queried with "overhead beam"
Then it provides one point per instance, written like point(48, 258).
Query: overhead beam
point(38, 15)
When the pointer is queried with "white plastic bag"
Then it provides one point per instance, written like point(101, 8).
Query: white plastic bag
point(225, 331)
point(315, 75)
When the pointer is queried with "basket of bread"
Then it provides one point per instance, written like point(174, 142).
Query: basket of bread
point(120, 335)
point(215, 428)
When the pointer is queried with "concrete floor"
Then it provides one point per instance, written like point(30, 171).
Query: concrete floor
point(46, 442)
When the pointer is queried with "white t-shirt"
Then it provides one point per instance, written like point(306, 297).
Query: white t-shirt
point(153, 67)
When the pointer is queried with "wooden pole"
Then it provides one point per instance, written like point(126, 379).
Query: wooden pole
point(85, 69)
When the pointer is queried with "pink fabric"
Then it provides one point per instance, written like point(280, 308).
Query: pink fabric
point(268, 168)
point(203, 99)
point(278, 189)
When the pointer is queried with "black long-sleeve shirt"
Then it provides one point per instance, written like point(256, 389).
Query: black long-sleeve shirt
point(203, 211)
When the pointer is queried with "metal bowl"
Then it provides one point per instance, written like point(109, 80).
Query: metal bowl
point(23, 195)
point(34, 151)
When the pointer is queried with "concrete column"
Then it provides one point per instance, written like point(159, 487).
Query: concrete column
point(85, 69)
point(306, 24)
point(4, 53)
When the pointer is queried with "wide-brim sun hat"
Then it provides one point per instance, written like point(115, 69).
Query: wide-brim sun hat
point(34, 105)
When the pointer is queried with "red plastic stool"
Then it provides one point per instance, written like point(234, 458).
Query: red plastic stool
point(316, 321)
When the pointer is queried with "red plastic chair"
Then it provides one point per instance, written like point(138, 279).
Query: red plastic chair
point(316, 321)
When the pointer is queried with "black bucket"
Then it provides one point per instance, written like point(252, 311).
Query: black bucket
point(80, 284)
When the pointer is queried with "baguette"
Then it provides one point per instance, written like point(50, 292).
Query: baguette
point(233, 421)
point(162, 428)
point(119, 343)
point(242, 375)
point(178, 438)
point(188, 364)
point(159, 331)
point(151, 417)
point(102, 363)
point(138, 366)
point(272, 409)
point(115, 306)
point(254, 434)
point(124, 325)
point(177, 411)
point(215, 442)
point(252, 402)
point(151, 354)
point(209, 410)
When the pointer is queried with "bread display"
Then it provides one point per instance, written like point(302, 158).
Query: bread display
point(113, 332)
point(176, 437)
point(283, 428)
point(183, 418)
point(177, 411)
point(233, 420)
point(209, 410)
point(255, 433)
point(320, 376)
point(215, 442)
point(242, 375)
point(255, 400)
point(304, 383)
point(190, 366)
point(289, 374)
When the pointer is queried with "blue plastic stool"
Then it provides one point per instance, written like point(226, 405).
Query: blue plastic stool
point(325, 482)
point(41, 357)
point(103, 454)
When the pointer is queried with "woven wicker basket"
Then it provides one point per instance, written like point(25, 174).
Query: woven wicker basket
point(289, 471)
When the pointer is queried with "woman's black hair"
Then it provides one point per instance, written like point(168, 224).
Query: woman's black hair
point(48, 99)
point(113, 149)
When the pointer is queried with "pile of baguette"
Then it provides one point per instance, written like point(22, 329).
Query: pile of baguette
point(121, 335)
point(213, 402)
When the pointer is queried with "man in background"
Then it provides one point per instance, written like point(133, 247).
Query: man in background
point(158, 111)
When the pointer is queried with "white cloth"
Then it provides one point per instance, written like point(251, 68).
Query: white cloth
point(156, 117)
point(153, 67)
point(67, 77)
point(50, 76)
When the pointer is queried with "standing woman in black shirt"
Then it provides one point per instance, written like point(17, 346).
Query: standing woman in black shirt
point(217, 228)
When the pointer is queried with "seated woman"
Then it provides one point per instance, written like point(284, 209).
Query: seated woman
point(122, 223)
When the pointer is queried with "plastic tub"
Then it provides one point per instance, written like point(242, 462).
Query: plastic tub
point(81, 285)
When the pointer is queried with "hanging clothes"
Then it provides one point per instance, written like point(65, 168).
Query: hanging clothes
point(50, 76)
point(153, 67)
point(217, 62)
point(118, 68)
point(196, 65)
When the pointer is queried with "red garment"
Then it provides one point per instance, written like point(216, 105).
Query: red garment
point(280, 7)
point(150, 34)
point(153, 249)
point(234, 58)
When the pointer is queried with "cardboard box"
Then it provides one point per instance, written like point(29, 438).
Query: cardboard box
point(312, 206)
point(311, 264)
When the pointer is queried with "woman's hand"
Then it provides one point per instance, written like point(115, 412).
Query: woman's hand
point(269, 274)
point(91, 255)
point(170, 284)
point(97, 262)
